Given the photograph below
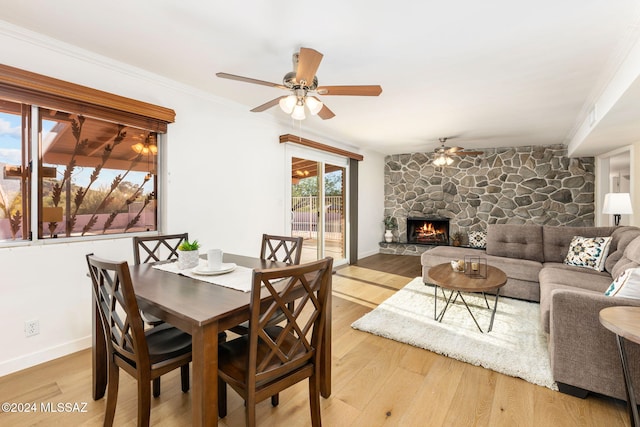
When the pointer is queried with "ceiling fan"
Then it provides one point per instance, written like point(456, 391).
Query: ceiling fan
point(443, 154)
point(303, 85)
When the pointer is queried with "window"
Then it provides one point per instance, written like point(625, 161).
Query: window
point(96, 159)
point(14, 180)
point(96, 177)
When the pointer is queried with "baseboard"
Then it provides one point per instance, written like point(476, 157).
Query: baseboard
point(23, 362)
point(368, 253)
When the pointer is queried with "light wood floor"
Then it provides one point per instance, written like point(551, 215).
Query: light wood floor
point(376, 382)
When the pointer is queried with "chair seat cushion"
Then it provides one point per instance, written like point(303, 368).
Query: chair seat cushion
point(232, 355)
point(243, 328)
point(166, 342)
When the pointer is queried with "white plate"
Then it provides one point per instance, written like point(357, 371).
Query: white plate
point(224, 268)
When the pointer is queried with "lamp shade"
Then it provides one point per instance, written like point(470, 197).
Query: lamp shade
point(298, 112)
point(439, 160)
point(287, 103)
point(314, 105)
point(617, 204)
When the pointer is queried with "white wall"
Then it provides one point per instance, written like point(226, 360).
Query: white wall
point(225, 171)
point(370, 210)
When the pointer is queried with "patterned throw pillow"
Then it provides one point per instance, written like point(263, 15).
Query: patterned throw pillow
point(477, 239)
point(627, 285)
point(589, 252)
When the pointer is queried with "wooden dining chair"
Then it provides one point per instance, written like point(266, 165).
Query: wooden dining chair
point(281, 248)
point(276, 248)
point(163, 247)
point(272, 358)
point(145, 355)
point(157, 248)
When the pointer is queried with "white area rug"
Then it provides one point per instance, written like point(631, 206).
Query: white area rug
point(516, 346)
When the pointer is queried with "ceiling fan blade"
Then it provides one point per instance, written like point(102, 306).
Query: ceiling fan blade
point(325, 113)
point(249, 80)
point(467, 153)
point(267, 105)
point(452, 150)
point(308, 63)
point(365, 90)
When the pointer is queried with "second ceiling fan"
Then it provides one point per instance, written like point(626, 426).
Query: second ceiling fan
point(303, 85)
point(443, 154)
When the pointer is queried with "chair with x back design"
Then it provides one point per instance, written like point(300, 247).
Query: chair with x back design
point(272, 358)
point(276, 248)
point(281, 248)
point(145, 355)
point(157, 248)
point(160, 248)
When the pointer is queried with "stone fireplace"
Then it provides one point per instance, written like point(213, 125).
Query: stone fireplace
point(518, 185)
point(428, 231)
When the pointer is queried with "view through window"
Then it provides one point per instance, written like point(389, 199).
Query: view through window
point(95, 177)
point(14, 177)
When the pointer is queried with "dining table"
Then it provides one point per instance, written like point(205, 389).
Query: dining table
point(201, 309)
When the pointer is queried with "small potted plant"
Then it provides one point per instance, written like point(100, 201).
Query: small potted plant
point(390, 224)
point(188, 254)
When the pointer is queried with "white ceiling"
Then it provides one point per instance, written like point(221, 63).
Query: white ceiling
point(494, 73)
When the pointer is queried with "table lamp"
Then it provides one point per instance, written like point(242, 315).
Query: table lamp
point(617, 204)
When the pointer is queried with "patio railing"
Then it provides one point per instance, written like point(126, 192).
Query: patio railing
point(304, 217)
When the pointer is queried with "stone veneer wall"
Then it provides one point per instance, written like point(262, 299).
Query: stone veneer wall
point(523, 185)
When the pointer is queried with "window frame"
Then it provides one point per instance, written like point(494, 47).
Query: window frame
point(37, 91)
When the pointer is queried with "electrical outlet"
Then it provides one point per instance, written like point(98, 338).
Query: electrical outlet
point(31, 327)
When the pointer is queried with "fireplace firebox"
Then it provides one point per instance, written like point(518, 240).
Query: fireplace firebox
point(428, 231)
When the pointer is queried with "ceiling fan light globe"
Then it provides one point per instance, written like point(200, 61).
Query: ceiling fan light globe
point(439, 161)
point(314, 105)
point(138, 147)
point(287, 103)
point(298, 112)
point(449, 161)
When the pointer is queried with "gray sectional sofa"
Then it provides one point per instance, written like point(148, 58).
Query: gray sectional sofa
point(584, 356)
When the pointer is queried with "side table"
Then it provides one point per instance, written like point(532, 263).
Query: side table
point(625, 323)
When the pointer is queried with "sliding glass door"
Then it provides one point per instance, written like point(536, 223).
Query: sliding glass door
point(318, 204)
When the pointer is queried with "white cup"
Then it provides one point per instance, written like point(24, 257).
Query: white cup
point(214, 259)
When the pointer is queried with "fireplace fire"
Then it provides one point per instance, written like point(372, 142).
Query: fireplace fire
point(428, 231)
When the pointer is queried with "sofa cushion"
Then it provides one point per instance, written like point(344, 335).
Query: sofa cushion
point(563, 266)
point(589, 252)
point(520, 269)
point(567, 277)
point(626, 285)
point(630, 258)
point(557, 239)
point(515, 241)
point(441, 254)
point(477, 239)
point(620, 238)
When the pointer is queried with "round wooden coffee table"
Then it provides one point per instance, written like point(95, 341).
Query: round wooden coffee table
point(443, 276)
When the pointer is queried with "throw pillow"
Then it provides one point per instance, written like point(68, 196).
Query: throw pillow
point(589, 252)
point(477, 239)
point(627, 285)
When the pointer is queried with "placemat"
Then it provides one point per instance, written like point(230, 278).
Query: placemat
point(239, 279)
